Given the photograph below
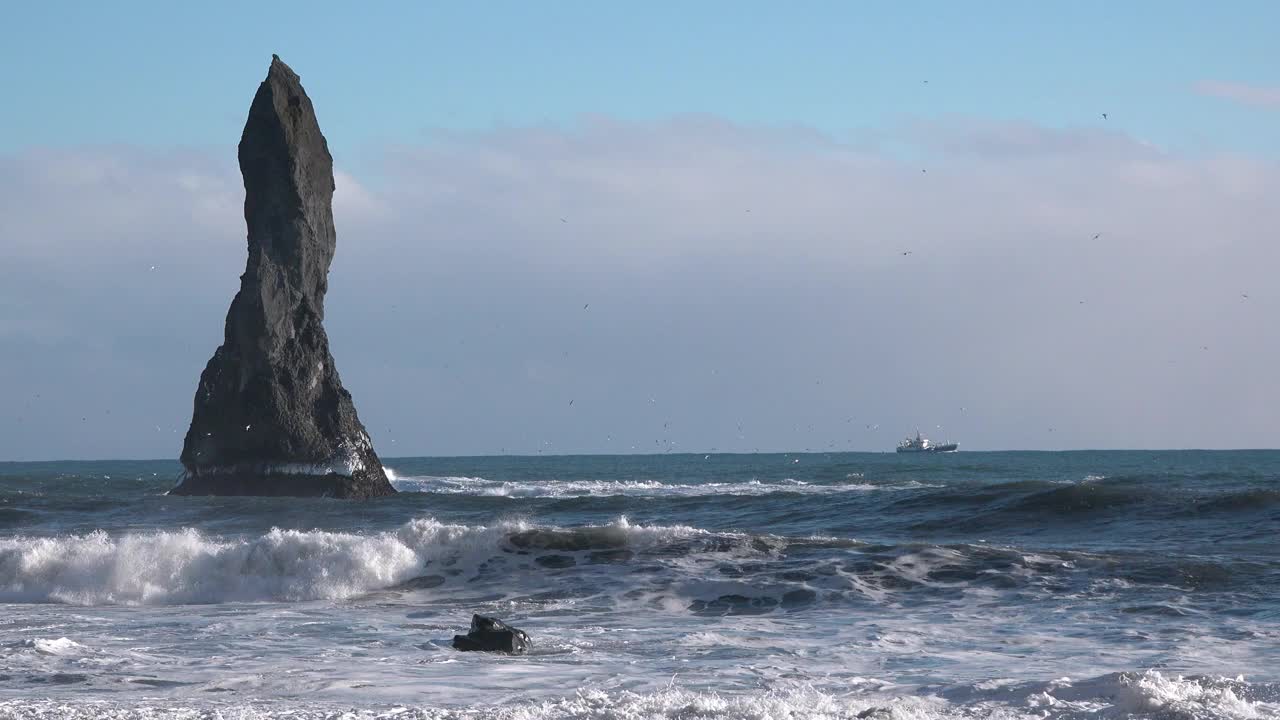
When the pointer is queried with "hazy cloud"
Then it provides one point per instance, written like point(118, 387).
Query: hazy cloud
point(1263, 96)
point(735, 276)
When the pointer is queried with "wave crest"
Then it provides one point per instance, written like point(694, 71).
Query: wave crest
point(189, 567)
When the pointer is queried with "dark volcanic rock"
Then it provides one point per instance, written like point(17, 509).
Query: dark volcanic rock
point(492, 635)
point(271, 416)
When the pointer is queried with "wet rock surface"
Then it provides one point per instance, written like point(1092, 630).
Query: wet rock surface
point(492, 635)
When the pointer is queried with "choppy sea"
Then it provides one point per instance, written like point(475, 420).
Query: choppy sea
point(968, 585)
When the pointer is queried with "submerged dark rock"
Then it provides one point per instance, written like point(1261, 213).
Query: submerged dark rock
point(556, 561)
point(492, 635)
point(271, 416)
point(422, 582)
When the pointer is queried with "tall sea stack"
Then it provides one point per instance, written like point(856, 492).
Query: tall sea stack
point(271, 416)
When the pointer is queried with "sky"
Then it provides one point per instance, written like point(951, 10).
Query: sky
point(711, 226)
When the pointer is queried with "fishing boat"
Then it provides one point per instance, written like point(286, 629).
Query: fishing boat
point(920, 444)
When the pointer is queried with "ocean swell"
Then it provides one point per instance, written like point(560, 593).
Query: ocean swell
point(1042, 503)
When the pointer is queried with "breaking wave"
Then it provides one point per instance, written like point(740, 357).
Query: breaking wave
point(673, 567)
point(188, 567)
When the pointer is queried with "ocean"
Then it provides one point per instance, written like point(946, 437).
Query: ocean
point(790, 586)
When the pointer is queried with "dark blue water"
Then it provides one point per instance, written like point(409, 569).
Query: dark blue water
point(1076, 584)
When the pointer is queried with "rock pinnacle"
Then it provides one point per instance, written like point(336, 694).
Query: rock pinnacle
point(271, 416)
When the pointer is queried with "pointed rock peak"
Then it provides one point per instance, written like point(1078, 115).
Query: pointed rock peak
point(281, 73)
point(278, 65)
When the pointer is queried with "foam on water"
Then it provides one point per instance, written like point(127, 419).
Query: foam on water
point(60, 646)
point(455, 485)
point(1131, 696)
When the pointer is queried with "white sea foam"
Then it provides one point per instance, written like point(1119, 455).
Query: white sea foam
point(1145, 696)
point(61, 646)
point(462, 485)
point(1177, 697)
point(1152, 694)
point(346, 464)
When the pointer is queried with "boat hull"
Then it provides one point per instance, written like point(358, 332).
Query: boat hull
point(949, 447)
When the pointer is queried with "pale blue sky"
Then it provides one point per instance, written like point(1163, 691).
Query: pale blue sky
point(163, 73)
point(1053, 280)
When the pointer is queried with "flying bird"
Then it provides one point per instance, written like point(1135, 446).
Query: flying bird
point(1104, 116)
point(563, 220)
point(1097, 235)
point(1244, 295)
point(584, 307)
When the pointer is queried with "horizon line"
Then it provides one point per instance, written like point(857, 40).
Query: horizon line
point(699, 452)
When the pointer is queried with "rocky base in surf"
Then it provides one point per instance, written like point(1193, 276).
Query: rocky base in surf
point(342, 478)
